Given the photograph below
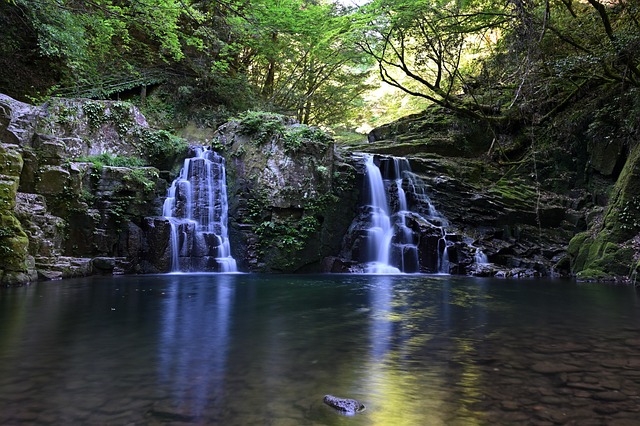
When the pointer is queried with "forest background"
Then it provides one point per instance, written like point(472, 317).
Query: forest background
point(553, 84)
point(510, 62)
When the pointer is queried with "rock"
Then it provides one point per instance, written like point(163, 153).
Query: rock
point(104, 264)
point(335, 264)
point(18, 120)
point(550, 367)
point(52, 180)
point(610, 396)
point(344, 405)
point(291, 197)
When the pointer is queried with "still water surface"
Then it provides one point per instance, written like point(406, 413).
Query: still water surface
point(263, 350)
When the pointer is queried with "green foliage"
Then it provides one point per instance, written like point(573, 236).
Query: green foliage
point(160, 146)
point(422, 47)
point(120, 114)
point(90, 41)
point(267, 126)
point(262, 126)
point(142, 177)
point(108, 159)
point(296, 137)
point(95, 113)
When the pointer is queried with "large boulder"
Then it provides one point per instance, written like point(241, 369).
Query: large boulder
point(290, 195)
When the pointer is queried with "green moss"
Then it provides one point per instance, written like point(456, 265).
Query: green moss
point(592, 275)
point(515, 191)
point(610, 250)
point(11, 162)
point(160, 147)
point(576, 243)
point(14, 243)
point(108, 159)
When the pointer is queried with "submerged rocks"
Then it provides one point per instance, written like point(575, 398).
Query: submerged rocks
point(344, 405)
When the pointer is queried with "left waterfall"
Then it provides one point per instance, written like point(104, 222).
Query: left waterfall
point(197, 209)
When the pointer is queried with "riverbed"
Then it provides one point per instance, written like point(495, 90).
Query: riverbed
point(245, 349)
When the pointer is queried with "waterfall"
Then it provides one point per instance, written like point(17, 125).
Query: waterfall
point(380, 232)
point(391, 244)
point(480, 258)
point(197, 209)
point(433, 217)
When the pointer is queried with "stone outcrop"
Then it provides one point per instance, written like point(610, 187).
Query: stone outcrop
point(62, 217)
point(291, 197)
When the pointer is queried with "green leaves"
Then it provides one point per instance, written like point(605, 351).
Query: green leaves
point(96, 40)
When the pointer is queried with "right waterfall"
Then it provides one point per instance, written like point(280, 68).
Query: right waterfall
point(399, 229)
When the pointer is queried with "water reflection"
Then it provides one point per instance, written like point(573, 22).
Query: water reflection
point(194, 341)
point(243, 349)
point(418, 346)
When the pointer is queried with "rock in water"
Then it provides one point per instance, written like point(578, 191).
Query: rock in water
point(344, 405)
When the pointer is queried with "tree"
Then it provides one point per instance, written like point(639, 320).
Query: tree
point(298, 56)
point(93, 42)
point(422, 46)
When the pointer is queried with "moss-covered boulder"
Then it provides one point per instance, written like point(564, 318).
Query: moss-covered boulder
point(610, 249)
point(14, 243)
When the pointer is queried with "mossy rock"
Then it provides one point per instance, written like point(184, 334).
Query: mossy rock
point(14, 243)
point(600, 254)
point(609, 250)
point(8, 188)
point(10, 160)
point(576, 243)
point(593, 275)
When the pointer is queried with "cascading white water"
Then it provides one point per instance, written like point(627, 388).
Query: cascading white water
point(480, 258)
point(380, 232)
point(392, 246)
point(197, 209)
point(434, 217)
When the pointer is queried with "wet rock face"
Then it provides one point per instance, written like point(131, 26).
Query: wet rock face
point(290, 194)
point(56, 215)
point(523, 233)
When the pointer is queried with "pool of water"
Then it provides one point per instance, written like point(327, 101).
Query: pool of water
point(245, 349)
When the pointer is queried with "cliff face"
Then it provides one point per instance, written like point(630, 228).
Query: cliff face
point(62, 215)
point(291, 198)
point(550, 202)
point(558, 199)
